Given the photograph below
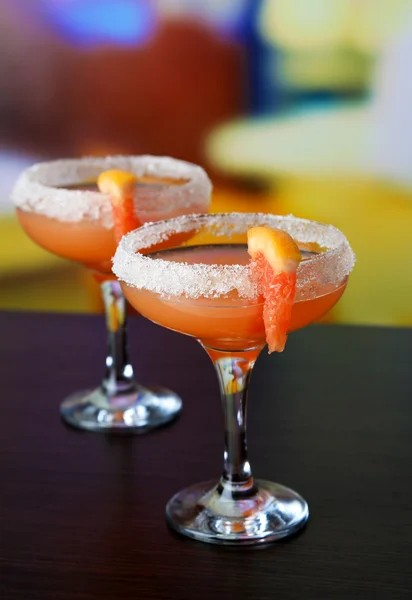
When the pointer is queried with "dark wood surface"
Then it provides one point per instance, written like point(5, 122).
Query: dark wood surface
point(82, 514)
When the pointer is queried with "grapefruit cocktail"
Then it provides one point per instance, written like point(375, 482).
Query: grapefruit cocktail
point(79, 209)
point(241, 281)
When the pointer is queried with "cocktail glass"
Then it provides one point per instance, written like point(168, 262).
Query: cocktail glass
point(205, 289)
point(60, 208)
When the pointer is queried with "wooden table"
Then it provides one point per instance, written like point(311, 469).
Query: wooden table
point(82, 514)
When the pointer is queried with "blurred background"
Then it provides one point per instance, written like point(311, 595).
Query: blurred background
point(293, 106)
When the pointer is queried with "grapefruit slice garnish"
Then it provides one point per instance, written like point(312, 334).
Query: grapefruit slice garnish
point(120, 186)
point(275, 258)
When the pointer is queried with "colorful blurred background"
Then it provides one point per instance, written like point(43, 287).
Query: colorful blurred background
point(293, 106)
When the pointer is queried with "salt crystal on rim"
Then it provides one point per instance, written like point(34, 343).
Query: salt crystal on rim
point(40, 188)
point(171, 278)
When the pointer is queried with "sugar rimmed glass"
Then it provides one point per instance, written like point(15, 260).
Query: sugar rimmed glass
point(61, 209)
point(204, 289)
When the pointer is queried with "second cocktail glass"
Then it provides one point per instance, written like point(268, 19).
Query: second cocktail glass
point(61, 209)
point(205, 289)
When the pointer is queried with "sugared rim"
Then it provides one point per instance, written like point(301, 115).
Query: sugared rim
point(170, 278)
point(36, 189)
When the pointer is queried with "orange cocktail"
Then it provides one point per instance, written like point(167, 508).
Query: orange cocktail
point(61, 207)
point(229, 321)
point(209, 289)
point(90, 239)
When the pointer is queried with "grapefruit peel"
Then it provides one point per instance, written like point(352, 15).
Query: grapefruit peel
point(120, 186)
point(275, 258)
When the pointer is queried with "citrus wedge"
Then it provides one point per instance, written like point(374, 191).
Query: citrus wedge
point(120, 186)
point(275, 258)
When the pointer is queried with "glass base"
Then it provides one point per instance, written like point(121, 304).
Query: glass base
point(137, 412)
point(206, 514)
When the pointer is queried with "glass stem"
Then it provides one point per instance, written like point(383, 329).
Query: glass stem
point(119, 376)
point(234, 374)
